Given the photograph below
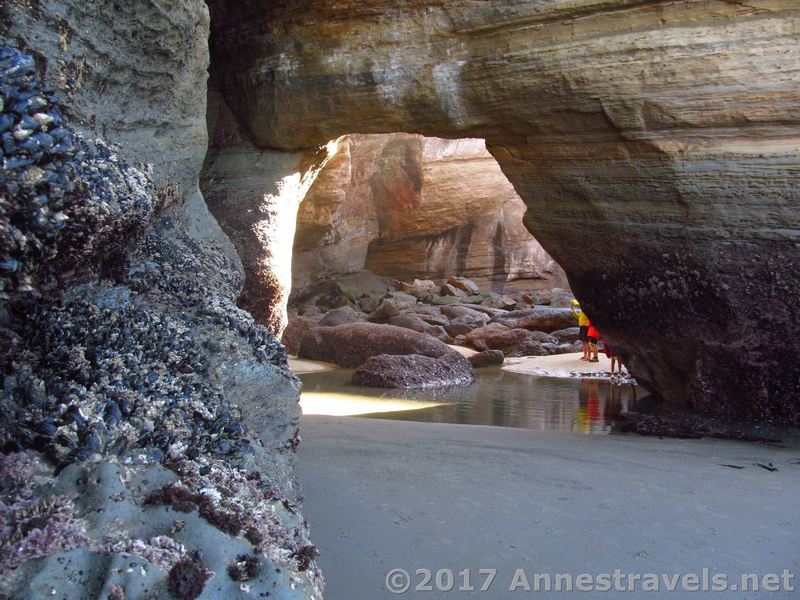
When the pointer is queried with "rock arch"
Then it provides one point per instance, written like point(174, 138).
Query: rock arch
point(654, 143)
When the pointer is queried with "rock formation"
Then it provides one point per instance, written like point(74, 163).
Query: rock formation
point(404, 206)
point(255, 194)
point(654, 144)
point(352, 344)
point(415, 371)
point(132, 375)
point(385, 355)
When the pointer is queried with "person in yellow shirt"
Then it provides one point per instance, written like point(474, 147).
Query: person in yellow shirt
point(583, 324)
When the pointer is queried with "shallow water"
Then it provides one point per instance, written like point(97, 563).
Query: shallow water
point(585, 406)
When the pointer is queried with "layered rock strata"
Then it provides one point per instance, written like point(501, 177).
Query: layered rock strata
point(404, 206)
point(255, 194)
point(654, 144)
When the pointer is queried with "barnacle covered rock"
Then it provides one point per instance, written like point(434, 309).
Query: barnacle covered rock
point(62, 198)
point(129, 369)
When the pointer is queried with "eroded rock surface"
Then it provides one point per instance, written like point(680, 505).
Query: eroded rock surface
point(415, 371)
point(654, 144)
point(405, 206)
point(350, 345)
point(131, 358)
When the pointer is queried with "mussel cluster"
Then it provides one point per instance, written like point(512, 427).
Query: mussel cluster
point(116, 363)
point(61, 196)
point(112, 381)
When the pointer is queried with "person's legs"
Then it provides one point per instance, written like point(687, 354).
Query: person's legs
point(593, 349)
point(584, 342)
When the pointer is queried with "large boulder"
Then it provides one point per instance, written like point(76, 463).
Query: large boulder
point(296, 330)
point(412, 322)
point(451, 290)
point(513, 342)
point(391, 307)
point(363, 283)
point(350, 345)
point(465, 285)
point(539, 318)
point(466, 323)
point(498, 301)
point(568, 335)
point(424, 289)
point(415, 371)
point(487, 358)
point(340, 316)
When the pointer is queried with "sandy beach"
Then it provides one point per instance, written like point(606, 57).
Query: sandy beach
point(559, 365)
point(383, 495)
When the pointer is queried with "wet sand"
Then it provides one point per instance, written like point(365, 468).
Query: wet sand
point(301, 366)
point(382, 494)
point(559, 365)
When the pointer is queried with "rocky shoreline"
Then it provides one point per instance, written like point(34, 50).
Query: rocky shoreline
point(371, 323)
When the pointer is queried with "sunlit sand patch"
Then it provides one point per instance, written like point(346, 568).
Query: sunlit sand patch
point(463, 351)
point(300, 366)
point(344, 405)
point(559, 365)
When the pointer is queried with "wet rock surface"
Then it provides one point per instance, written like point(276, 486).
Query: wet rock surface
point(47, 172)
point(670, 204)
point(415, 371)
point(351, 345)
point(512, 342)
point(132, 363)
point(487, 358)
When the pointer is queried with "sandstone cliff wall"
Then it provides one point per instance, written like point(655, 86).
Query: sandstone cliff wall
point(404, 206)
point(654, 144)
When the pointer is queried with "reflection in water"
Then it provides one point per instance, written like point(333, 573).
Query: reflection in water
point(496, 398)
point(344, 404)
point(600, 403)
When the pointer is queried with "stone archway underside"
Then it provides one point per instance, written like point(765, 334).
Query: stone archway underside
point(656, 145)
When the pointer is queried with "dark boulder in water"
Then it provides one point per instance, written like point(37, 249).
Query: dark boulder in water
point(415, 371)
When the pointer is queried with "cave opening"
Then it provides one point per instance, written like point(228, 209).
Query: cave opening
point(405, 207)
point(655, 145)
point(652, 210)
point(426, 234)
